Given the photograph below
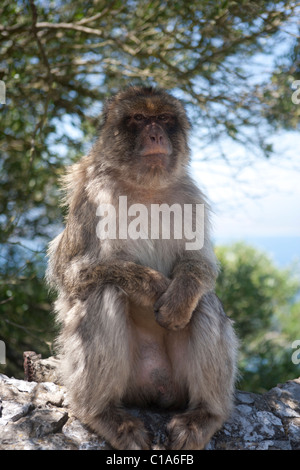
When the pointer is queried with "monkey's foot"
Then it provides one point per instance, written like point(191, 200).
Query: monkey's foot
point(191, 430)
point(132, 435)
point(123, 431)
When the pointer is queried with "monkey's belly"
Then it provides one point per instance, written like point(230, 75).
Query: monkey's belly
point(152, 381)
point(153, 384)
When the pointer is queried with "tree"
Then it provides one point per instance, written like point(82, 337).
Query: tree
point(26, 320)
point(59, 60)
point(261, 299)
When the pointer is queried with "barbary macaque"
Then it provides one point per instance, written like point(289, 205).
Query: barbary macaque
point(140, 322)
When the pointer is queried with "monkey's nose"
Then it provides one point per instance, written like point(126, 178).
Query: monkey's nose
point(155, 141)
point(156, 137)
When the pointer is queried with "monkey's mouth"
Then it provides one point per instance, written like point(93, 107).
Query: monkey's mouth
point(152, 149)
point(155, 154)
point(160, 151)
point(156, 160)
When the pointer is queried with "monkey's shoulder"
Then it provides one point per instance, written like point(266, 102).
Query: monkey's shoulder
point(188, 192)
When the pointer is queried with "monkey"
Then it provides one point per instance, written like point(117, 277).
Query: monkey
point(141, 325)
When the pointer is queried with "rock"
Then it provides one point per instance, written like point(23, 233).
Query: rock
point(38, 369)
point(263, 422)
point(36, 416)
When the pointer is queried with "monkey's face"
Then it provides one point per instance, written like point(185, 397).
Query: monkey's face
point(153, 146)
point(144, 136)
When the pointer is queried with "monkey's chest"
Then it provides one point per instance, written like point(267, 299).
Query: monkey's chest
point(157, 254)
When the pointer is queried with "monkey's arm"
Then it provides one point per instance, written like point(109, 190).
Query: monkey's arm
point(142, 284)
point(192, 277)
point(76, 270)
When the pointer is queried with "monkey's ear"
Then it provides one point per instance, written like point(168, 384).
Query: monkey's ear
point(105, 111)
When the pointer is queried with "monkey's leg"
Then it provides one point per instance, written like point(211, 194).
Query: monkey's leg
point(210, 373)
point(96, 362)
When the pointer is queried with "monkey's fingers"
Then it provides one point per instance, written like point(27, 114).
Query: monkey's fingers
point(171, 315)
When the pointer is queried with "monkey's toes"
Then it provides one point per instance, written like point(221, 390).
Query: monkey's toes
point(184, 434)
point(132, 435)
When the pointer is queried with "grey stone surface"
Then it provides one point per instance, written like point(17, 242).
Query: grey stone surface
point(36, 416)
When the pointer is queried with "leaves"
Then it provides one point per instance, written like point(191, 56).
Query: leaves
point(261, 299)
point(60, 60)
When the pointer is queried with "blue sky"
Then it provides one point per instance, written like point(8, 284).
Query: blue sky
point(261, 199)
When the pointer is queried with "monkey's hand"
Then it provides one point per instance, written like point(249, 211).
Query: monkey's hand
point(144, 285)
point(173, 310)
point(191, 280)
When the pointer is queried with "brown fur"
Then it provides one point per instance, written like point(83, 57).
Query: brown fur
point(140, 322)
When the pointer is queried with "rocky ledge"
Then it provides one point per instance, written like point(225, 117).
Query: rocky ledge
point(36, 416)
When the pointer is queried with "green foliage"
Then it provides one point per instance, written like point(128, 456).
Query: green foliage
point(26, 320)
point(261, 299)
point(59, 60)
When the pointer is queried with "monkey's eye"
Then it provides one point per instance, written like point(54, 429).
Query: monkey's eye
point(138, 117)
point(164, 117)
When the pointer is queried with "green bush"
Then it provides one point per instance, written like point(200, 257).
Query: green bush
point(262, 300)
